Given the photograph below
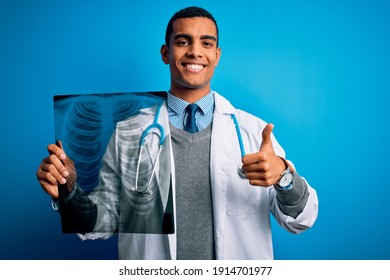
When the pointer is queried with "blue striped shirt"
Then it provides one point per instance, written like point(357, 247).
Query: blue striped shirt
point(203, 117)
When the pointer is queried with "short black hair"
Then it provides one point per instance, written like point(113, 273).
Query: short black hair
point(188, 12)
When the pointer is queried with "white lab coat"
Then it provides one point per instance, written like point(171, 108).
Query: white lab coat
point(242, 227)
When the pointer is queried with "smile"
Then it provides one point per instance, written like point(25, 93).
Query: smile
point(194, 67)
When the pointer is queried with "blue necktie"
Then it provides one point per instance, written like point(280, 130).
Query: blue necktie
point(190, 125)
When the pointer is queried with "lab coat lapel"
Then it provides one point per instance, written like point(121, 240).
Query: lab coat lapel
point(164, 121)
point(221, 158)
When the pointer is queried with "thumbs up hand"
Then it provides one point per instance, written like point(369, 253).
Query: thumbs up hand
point(264, 167)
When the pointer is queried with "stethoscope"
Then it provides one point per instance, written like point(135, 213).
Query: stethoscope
point(240, 171)
point(156, 125)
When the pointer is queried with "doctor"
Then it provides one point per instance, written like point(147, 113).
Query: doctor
point(223, 200)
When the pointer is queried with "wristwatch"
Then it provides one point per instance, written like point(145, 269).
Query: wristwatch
point(285, 181)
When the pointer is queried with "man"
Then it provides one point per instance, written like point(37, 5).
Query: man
point(222, 200)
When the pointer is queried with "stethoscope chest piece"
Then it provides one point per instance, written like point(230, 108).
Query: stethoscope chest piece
point(240, 171)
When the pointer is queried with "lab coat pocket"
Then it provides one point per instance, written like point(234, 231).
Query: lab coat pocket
point(241, 198)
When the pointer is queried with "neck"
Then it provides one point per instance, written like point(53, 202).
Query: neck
point(190, 95)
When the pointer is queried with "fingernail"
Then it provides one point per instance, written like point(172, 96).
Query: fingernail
point(62, 156)
point(65, 174)
point(63, 181)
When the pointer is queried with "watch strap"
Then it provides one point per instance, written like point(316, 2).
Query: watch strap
point(289, 187)
point(289, 168)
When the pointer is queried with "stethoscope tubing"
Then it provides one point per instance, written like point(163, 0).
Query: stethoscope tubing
point(156, 125)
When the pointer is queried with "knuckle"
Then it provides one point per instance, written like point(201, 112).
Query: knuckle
point(48, 177)
point(267, 156)
point(266, 168)
point(268, 181)
point(52, 169)
point(52, 158)
point(51, 147)
point(267, 174)
point(40, 174)
point(51, 179)
point(263, 157)
point(249, 176)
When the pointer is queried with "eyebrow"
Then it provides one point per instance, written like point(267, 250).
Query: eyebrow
point(189, 37)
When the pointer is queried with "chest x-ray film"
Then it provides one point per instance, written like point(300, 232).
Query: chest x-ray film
point(120, 147)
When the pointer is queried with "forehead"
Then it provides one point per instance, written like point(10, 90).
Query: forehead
point(195, 26)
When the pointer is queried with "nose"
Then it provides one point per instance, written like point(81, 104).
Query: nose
point(195, 50)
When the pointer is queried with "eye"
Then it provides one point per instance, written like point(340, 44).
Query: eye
point(208, 44)
point(182, 43)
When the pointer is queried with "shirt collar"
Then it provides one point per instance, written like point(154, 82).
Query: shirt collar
point(178, 106)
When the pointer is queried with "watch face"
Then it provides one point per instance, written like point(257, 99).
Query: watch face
point(286, 180)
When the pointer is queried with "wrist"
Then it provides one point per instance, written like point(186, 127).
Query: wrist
point(285, 181)
point(66, 193)
point(287, 164)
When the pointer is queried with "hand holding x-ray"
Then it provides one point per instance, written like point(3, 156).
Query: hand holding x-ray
point(57, 173)
point(111, 171)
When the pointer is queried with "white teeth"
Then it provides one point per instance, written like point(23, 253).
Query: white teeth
point(195, 66)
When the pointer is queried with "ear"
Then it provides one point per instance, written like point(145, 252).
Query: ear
point(219, 52)
point(164, 54)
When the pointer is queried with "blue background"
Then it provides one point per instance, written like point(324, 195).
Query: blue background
point(319, 70)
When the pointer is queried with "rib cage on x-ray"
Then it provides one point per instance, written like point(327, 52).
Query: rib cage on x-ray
point(84, 141)
point(89, 126)
point(86, 123)
point(128, 133)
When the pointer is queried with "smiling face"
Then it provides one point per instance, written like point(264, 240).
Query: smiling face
point(192, 55)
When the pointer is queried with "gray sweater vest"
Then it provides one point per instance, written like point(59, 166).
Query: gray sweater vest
point(194, 214)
